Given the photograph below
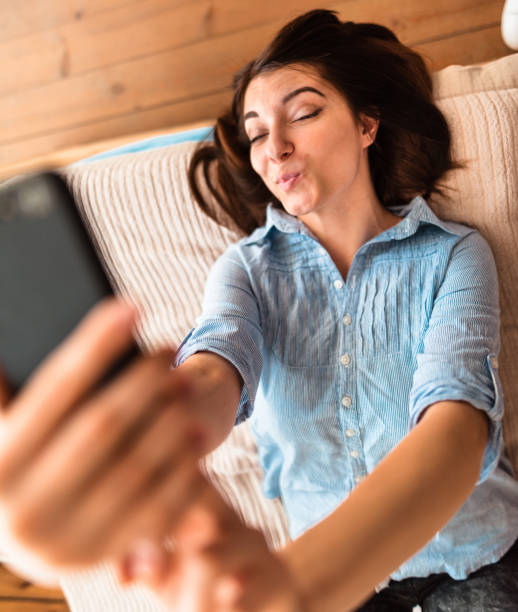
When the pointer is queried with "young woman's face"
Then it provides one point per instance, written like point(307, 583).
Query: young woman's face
point(305, 143)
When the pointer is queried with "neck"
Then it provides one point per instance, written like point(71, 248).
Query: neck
point(342, 229)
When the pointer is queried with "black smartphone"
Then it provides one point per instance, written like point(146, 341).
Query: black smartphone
point(50, 275)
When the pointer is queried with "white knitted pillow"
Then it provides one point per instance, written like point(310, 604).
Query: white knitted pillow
point(481, 106)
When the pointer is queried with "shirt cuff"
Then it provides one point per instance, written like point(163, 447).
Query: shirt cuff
point(455, 388)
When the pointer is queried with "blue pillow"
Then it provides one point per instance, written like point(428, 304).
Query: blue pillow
point(195, 135)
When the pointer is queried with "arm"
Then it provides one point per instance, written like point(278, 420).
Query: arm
point(40, 466)
point(453, 443)
point(336, 565)
point(221, 358)
point(412, 493)
point(212, 389)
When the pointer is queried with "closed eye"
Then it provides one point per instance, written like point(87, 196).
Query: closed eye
point(256, 138)
point(304, 117)
point(313, 114)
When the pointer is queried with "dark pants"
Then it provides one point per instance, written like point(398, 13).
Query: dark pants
point(492, 588)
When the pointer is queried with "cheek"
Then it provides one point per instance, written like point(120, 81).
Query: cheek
point(256, 162)
point(347, 152)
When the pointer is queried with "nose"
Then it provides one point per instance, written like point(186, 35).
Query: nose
point(279, 147)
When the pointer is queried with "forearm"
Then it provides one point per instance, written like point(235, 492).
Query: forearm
point(393, 513)
point(212, 388)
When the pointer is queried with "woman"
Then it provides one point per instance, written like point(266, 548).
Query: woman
point(357, 330)
point(365, 343)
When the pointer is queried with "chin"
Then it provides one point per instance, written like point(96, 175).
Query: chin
point(298, 208)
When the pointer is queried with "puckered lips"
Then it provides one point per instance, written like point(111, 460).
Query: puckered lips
point(287, 180)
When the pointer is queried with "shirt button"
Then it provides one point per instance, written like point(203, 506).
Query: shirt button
point(345, 359)
point(347, 401)
point(358, 478)
point(347, 320)
point(322, 251)
point(350, 433)
point(493, 361)
point(355, 454)
point(338, 284)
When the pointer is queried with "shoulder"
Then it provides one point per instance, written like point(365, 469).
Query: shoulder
point(471, 269)
point(245, 258)
point(253, 250)
point(460, 241)
point(471, 248)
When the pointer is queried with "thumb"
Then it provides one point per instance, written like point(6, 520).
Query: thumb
point(147, 561)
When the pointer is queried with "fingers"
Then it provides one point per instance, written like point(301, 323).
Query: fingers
point(247, 577)
point(71, 370)
point(203, 522)
point(161, 508)
point(66, 374)
point(141, 506)
point(206, 522)
point(149, 562)
point(261, 583)
point(101, 428)
point(226, 567)
point(113, 448)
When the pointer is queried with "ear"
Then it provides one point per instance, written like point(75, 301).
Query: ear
point(368, 129)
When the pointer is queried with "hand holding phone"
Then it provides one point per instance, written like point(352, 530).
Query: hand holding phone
point(88, 460)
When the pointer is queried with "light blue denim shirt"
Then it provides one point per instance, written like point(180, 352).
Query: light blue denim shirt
point(338, 370)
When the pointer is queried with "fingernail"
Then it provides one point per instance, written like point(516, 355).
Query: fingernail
point(228, 589)
point(144, 560)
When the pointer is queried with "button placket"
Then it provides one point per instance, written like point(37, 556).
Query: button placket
point(348, 414)
point(354, 452)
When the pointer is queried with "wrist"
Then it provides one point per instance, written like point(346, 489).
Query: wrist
point(302, 595)
point(211, 393)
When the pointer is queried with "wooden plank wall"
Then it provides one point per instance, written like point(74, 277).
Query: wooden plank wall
point(18, 595)
point(77, 71)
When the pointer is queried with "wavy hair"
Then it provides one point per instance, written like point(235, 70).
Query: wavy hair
point(377, 75)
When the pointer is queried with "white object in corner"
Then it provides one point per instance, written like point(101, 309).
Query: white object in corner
point(510, 23)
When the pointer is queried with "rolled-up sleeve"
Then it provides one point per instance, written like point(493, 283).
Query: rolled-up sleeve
point(230, 325)
point(458, 359)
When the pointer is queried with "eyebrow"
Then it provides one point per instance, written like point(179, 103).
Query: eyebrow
point(286, 99)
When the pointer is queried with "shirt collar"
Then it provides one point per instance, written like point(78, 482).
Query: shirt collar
point(413, 214)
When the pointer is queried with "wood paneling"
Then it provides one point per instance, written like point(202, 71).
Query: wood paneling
point(94, 69)
point(148, 28)
point(100, 41)
point(23, 18)
point(18, 595)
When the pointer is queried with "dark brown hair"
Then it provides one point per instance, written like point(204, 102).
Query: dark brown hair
point(378, 76)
